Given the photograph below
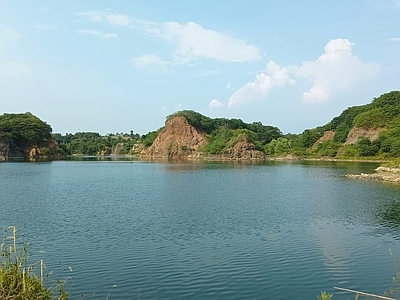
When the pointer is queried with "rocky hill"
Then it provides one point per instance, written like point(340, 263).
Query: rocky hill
point(26, 136)
point(178, 139)
point(205, 138)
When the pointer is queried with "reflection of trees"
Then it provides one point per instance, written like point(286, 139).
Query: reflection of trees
point(391, 214)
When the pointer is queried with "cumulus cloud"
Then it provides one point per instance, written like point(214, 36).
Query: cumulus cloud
point(395, 39)
point(118, 20)
point(337, 69)
point(148, 60)
point(192, 41)
point(274, 76)
point(215, 104)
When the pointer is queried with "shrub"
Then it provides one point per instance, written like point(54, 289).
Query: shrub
point(17, 280)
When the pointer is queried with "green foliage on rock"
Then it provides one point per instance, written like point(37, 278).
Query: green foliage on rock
point(374, 118)
point(148, 139)
point(382, 113)
point(224, 133)
point(24, 129)
point(92, 143)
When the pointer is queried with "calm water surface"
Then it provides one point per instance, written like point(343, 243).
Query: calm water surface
point(204, 230)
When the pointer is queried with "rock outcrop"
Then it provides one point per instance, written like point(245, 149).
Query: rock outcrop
point(357, 132)
point(243, 150)
point(178, 139)
point(381, 174)
point(328, 136)
point(9, 150)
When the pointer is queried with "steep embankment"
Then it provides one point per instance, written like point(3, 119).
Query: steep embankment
point(181, 140)
point(243, 149)
point(178, 139)
point(356, 133)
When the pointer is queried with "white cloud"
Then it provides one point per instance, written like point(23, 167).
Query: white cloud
point(395, 39)
point(336, 69)
point(118, 20)
point(148, 60)
point(93, 15)
point(274, 76)
point(15, 69)
point(92, 32)
point(215, 104)
point(229, 85)
point(193, 41)
point(99, 34)
point(110, 36)
point(43, 26)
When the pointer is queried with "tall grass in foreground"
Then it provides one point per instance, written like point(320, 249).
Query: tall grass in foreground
point(17, 279)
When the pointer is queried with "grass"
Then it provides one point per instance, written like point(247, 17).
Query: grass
point(17, 279)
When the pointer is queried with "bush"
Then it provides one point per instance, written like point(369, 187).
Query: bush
point(17, 280)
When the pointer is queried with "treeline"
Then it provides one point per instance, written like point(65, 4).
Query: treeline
point(24, 129)
point(382, 114)
point(92, 143)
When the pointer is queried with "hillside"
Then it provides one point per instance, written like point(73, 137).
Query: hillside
point(366, 131)
point(371, 130)
point(26, 136)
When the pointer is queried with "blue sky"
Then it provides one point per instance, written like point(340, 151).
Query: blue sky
point(116, 66)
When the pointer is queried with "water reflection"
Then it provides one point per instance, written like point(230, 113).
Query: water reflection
point(390, 214)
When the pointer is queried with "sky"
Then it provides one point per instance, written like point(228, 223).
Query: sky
point(117, 66)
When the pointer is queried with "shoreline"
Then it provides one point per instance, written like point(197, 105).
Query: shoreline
point(381, 174)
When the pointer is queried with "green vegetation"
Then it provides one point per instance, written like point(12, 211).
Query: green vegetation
point(92, 143)
point(324, 296)
point(17, 280)
point(382, 115)
point(24, 129)
point(224, 133)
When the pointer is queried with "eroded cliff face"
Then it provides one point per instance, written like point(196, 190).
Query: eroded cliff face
point(243, 150)
point(8, 150)
point(4, 147)
point(328, 136)
point(356, 133)
point(178, 139)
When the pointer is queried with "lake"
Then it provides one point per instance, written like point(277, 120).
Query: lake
point(204, 230)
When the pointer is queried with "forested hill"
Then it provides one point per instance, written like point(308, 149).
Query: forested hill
point(25, 135)
point(371, 130)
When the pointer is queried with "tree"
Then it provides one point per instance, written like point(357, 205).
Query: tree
point(23, 129)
